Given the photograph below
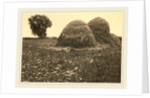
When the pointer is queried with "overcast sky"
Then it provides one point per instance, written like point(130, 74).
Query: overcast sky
point(60, 20)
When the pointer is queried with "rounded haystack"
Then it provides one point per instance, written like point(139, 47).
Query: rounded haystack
point(76, 34)
point(101, 30)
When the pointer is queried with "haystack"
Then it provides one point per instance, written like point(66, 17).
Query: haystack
point(76, 34)
point(101, 30)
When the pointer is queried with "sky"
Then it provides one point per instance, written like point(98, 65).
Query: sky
point(60, 20)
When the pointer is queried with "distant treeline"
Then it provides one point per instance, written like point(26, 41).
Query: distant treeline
point(33, 38)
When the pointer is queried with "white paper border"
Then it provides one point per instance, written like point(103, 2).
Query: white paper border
point(135, 37)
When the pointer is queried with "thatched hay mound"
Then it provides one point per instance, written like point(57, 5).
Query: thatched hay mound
point(99, 25)
point(116, 40)
point(101, 30)
point(77, 34)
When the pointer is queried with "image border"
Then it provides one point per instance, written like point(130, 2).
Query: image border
point(123, 83)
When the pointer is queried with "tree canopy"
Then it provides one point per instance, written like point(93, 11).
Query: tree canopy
point(39, 24)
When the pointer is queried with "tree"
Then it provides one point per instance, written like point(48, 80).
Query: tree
point(39, 24)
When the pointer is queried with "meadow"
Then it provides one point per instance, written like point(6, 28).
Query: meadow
point(43, 61)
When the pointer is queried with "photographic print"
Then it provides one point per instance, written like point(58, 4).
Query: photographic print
point(80, 46)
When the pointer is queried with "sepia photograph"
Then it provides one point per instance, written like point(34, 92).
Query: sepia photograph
point(71, 47)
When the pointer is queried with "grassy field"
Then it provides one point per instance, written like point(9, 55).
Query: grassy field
point(42, 61)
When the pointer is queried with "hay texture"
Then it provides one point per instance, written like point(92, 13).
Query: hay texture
point(101, 30)
point(76, 34)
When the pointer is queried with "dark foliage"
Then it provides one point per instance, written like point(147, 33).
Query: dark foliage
point(39, 24)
